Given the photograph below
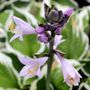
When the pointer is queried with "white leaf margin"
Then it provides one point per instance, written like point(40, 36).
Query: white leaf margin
point(5, 60)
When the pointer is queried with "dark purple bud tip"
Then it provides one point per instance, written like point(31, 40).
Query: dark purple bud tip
point(43, 38)
point(69, 11)
point(40, 30)
point(52, 14)
point(47, 27)
point(58, 31)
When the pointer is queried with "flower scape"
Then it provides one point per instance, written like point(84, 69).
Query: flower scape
point(49, 34)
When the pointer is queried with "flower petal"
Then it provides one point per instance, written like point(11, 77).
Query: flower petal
point(18, 21)
point(27, 29)
point(26, 60)
point(23, 26)
point(28, 71)
point(42, 60)
point(57, 40)
point(38, 73)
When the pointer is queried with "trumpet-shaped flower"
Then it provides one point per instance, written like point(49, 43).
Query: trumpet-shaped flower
point(71, 76)
point(32, 66)
point(20, 28)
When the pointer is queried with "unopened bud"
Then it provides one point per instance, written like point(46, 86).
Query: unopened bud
point(52, 14)
point(40, 30)
point(69, 11)
point(43, 38)
point(58, 31)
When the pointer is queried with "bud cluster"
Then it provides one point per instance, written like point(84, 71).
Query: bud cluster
point(55, 22)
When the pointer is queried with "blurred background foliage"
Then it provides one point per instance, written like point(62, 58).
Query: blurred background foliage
point(76, 45)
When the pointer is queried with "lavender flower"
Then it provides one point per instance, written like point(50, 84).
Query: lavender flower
point(71, 76)
point(20, 28)
point(32, 66)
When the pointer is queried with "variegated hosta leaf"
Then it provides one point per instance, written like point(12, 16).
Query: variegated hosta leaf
point(33, 85)
point(66, 2)
point(1, 88)
point(29, 46)
point(76, 41)
point(8, 76)
point(2, 39)
point(86, 67)
point(5, 3)
point(88, 82)
point(22, 3)
point(6, 15)
point(84, 86)
point(40, 85)
point(24, 12)
point(83, 18)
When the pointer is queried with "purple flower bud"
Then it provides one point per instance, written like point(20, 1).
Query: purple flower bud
point(58, 31)
point(66, 16)
point(43, 38)
point(40, 30)
point(69, 11)
point(47, 27)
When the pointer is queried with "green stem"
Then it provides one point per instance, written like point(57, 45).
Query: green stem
point(50, 62)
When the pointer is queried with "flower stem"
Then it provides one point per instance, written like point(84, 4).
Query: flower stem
point(50, 61)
